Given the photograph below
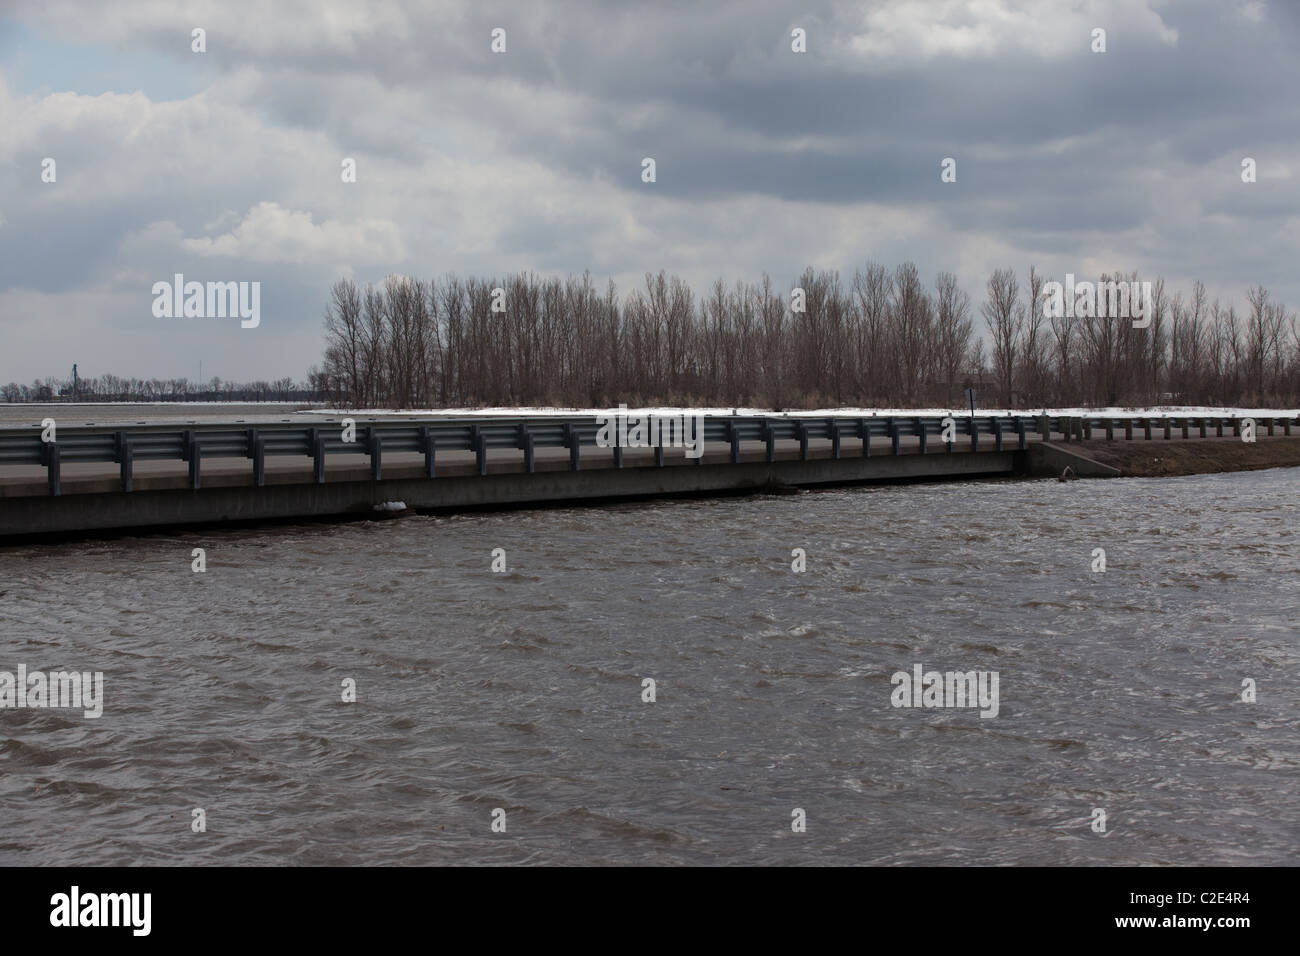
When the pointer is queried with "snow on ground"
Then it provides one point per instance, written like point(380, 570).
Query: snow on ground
point(1158, 411)
point(518, 411)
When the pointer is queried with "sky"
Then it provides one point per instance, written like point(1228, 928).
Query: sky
point(226, 165)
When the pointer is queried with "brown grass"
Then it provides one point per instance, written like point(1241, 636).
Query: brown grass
point(1147, 459)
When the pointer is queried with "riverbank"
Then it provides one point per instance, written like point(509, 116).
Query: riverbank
point(1143, 459)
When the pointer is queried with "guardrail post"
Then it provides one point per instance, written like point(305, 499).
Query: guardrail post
point(196, 457)
point(1087, 429)
point(1236, 428)
point(802, 428)
point(50, 459)
point(259, 462)
point(1218, 428)
point(479, 451)
point(768, 434)
point(1286, 427)
point(1020, 432)
point(375, 447)
point(1146, 428)
point(997, 434)
point(1271, 423)
point(1110, 429)
point(920, 428)
point(1067, 430)
point(1169, 432)
point(1204, 428)
point(734, 437)
point(250, 450)
point(864, 432)
point(427, 445)
point(1044, 428)
point(974, 434)
point(1128, 429)
point(571, 439)
point(124, 455)
point(893, 434)
point(318, 453)
point(1185, 425)
point(527, 443)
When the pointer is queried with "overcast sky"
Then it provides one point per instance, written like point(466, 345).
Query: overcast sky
point(225, 165)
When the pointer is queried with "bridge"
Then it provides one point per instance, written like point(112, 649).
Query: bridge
point(83, 478)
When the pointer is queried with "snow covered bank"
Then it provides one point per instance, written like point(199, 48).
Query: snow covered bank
point(1159, 411)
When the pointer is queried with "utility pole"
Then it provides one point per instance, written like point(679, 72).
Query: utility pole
point(74, 381)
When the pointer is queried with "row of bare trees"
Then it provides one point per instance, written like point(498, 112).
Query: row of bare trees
point(1193, 351)
point(115, 388)
point(882, 339)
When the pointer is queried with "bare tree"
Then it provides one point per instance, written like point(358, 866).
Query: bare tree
point(874, 290)
point(912, 328)
point(1005, 325)
point(952, 331)
point(1033, 358)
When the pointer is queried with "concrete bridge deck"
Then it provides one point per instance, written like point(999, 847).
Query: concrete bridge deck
point(91, 480)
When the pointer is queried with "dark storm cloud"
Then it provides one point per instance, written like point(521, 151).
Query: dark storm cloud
point(532, 159)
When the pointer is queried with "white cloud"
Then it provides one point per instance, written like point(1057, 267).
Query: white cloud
point(530, 161)
point(907, 29)
point(271, 233)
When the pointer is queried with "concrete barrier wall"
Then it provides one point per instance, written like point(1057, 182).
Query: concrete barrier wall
point(117, 510)
point(1047, 459)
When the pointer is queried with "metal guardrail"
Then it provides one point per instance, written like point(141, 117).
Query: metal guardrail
point(124, 446)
